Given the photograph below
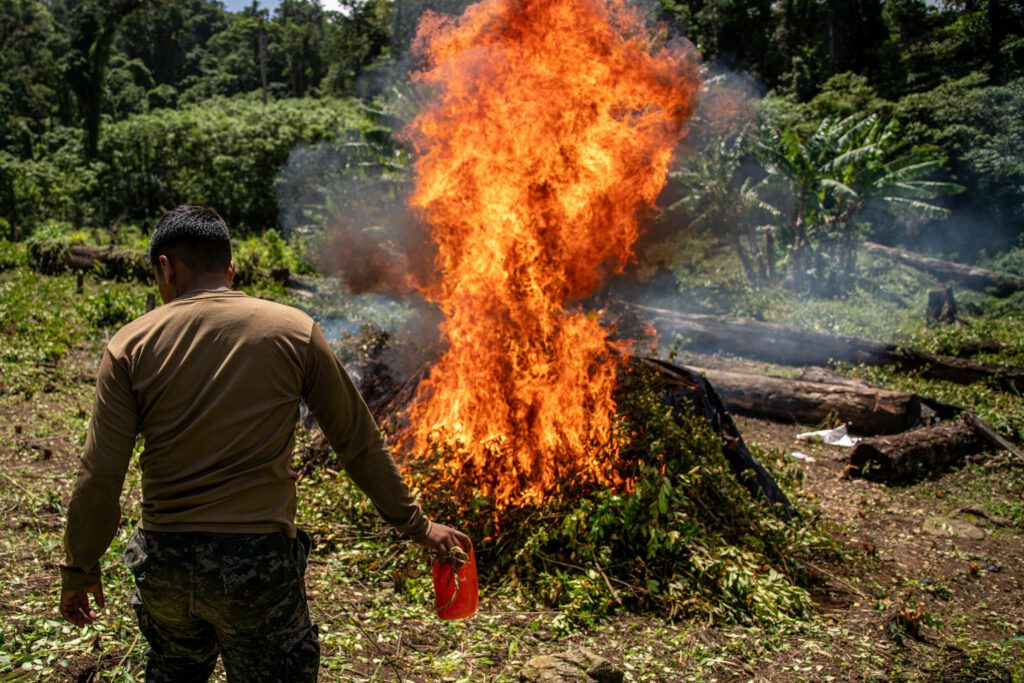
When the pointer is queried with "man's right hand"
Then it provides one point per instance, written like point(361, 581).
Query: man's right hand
point(440, 539)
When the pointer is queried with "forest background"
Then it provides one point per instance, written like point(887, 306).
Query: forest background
point(112, 111)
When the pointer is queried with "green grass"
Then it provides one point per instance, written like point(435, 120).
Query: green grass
point(371, 593)
point(42, 318)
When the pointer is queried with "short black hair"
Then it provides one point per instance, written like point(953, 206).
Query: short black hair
point(194, 235)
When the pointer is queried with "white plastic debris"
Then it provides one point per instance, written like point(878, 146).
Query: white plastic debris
point(833, 437)
point(797, 455)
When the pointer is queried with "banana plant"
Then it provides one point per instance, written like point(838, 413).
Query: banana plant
point(828, 180)
point(719, 196)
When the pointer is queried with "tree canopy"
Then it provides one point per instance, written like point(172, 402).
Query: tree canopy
point(81, 79)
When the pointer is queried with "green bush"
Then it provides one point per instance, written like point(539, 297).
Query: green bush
point(12, 255)
point(225, 153)
point(58, 187)
point(49, 245)
point(262, 253)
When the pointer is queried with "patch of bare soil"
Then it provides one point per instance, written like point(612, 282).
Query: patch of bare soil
point(923, 572)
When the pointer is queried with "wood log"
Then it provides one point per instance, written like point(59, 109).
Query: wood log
point(961, 370)
point(767, 341)
point(867, 410)
point(992, 435)
point(826, 376)
point(116, 263)
point(950, 271)
point(932, 411)
point(915, 454)
point(121, 263)
point(124, 263)
point(971, 348)
point(790, 346)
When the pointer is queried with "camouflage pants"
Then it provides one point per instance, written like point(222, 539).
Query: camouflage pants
point(242, 596)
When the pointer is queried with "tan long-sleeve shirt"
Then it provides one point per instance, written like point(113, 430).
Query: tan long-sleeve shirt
point(213, 383)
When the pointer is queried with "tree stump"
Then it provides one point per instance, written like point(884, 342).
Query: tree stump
point(941, 306)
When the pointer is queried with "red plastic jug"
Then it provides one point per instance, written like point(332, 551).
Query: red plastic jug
point(456, 593)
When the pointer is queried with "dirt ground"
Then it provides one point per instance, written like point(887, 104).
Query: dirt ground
point(936, 546)
point(930, 587)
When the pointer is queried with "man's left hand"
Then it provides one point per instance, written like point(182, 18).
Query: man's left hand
point(74, 604)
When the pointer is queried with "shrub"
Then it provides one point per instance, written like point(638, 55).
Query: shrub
point(224, 153)
point(32, 191)
point(49, 245)
point(12, 255)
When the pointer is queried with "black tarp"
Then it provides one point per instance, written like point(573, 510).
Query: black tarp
point(688, 392)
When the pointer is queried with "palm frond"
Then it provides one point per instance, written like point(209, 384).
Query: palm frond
point(916, 208)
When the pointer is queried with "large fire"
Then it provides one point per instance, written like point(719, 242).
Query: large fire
point(549, 134)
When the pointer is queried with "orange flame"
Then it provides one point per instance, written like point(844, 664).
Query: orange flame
point(550, 132)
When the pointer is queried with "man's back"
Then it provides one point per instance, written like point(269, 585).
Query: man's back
point(217, 378)
point(212, 380)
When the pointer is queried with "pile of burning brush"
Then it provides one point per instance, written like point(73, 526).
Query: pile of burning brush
point(546, 136)
point(691, 523)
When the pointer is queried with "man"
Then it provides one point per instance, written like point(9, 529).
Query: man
point(212, 381)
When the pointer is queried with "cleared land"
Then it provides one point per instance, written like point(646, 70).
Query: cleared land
point(951, 547)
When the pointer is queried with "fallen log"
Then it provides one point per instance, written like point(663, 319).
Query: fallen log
point(51, 257)
point(826, 376)
point(950, 271)
point(975, 347)
point(915, 454)
point(867, 410)
point(767, 341)
point(992, 435)
point(126, 263)
point(790, 346)
point(961, 370)
point(932, 411)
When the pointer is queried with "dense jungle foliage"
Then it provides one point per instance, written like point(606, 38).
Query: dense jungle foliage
point(897, 120)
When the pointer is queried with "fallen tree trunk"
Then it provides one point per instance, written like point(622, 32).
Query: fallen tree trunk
point(826, 376)
point(126, 263)
point(961, 370)
point(913, 455)
point(950, 271)
point(790, 346)
point(975, 347)
point(767, 341)
point(931, 410)
point(867, 410)
point(51, 257)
